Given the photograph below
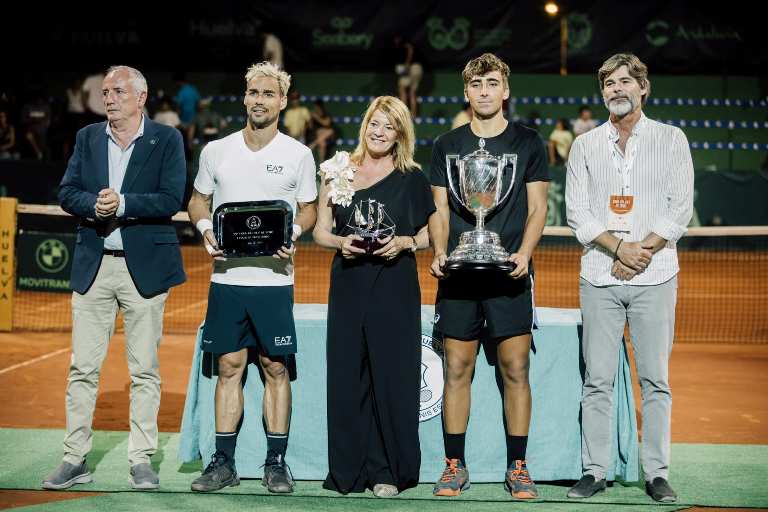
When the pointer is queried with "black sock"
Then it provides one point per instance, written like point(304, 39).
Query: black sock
point(516, 446)
point(276, 445)
point(226, 442)
point(454, 446)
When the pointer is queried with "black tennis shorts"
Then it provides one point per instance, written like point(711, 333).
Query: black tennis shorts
point(467, 303)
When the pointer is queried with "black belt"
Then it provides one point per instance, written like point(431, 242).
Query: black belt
point(114, 252)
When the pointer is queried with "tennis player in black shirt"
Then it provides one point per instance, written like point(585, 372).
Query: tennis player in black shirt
point(501, 306)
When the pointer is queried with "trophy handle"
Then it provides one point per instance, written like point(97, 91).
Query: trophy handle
point(508, 158)
point(451, 186)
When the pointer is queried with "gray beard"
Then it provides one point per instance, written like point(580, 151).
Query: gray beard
point(621, 108)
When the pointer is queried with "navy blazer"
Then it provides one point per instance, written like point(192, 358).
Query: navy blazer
point(153, 188)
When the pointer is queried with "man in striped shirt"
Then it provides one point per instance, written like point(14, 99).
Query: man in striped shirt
point(629, 198)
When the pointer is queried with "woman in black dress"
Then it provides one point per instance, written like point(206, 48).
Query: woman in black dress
point(374, 304)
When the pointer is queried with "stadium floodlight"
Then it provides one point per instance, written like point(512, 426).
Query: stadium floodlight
point(551, 8)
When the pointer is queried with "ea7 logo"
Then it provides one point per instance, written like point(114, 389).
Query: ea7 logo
point(274, 169)
point(281, 341)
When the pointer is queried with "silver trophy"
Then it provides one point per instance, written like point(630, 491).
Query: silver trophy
point(371, 222)
point(480, 190)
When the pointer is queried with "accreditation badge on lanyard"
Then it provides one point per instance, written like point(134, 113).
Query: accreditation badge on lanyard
point(620, 214)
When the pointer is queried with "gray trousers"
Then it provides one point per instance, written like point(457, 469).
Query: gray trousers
point(93, 323)
point(650, 311)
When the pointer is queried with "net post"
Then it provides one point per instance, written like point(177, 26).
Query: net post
point(7, 260)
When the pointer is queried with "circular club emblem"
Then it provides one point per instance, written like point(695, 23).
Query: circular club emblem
point(253, 222)
point(52, 255)
point(431, 392)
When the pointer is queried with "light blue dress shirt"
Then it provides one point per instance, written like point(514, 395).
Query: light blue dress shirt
point(118, 164)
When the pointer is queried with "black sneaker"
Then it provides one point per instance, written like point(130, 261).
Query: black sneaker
point(587, 486)
point(277, 475)
point(220, 473)
point(660, 490)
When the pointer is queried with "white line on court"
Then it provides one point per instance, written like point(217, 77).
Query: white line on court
point(182, 309)
point(35, 360)
point(54, 305)
point(198, 268)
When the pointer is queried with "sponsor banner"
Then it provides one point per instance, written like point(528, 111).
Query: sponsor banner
point(7, 231)
point(672, 36)
point(44, 261)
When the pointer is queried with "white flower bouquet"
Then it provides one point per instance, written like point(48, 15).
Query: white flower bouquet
point(338, 173)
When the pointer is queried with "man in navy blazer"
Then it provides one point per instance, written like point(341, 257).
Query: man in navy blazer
point(124, 181)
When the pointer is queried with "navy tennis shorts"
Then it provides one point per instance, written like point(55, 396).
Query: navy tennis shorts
point(250, 316)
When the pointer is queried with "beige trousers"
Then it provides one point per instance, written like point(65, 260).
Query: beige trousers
point(93, 323)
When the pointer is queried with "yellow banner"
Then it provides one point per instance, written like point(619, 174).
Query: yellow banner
point(7, 262)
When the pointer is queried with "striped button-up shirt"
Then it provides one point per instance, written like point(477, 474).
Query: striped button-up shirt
point(659, 174)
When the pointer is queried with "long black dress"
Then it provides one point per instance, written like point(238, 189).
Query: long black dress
point(374, 350)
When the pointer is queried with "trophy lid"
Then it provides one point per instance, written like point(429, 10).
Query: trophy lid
point(480, 153)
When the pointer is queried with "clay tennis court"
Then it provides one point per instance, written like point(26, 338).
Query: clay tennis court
point(718, 367)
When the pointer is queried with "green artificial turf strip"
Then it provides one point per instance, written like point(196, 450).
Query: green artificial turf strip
point(705, 475)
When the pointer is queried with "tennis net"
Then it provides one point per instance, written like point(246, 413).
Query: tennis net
point(722, 285)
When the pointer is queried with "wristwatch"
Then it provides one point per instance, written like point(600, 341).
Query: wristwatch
point(415, 246)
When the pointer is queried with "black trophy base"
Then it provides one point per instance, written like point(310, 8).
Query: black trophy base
point(369, 244)
point(462, 267)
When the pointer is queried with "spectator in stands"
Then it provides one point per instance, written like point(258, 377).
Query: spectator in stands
point(323, 130)
point(166, 115)
point(124, 182)
point(463, 117)
point(559, 143)
point(92, 98)
point(76, 98)
point(75, 116)
point(409, 72)
point(186, 99)
point(273, 50)
point(36, 119)
point(208, 124)
point(584, 123)
point(297, 118)
point(629, 197)
point(7, 138)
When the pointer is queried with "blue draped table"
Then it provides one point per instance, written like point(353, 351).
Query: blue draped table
point(554, 445)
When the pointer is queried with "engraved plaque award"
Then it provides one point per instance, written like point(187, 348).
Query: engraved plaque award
point(253, 228)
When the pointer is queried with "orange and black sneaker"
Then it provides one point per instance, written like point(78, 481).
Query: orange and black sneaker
point(455, 478)
point(518, 482)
